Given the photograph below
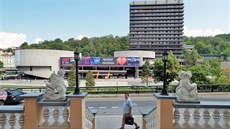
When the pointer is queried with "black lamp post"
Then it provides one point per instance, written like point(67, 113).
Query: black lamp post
point(165, 59)
point(76, 58)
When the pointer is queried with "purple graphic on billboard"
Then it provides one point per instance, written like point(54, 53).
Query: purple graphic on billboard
point(67, 60)
point(108, 61)
point(95, 60)
point(121, 61)
point(133, 61)
point(84, 61)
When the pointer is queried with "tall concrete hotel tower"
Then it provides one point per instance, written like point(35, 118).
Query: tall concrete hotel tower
point(157, 26)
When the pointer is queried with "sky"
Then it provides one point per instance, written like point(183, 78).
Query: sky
point(34, 21)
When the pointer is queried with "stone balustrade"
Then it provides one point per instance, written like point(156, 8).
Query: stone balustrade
point(11, 117)
point(149, 118)
point(37, 113)
point(201, 116)
point(55, 116)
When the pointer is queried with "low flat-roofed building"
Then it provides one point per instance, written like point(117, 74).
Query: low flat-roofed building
point(39, 62)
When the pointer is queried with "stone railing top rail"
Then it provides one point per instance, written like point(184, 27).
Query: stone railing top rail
point(93, 111)
point(44, 102)
point(145, 112)
point(203, 104)
point(32, 95)
point(12, 109)
point(169, 96)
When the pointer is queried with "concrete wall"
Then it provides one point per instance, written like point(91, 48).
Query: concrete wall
point(39, 62)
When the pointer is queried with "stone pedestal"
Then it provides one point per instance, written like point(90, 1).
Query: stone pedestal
point(77, 110)
point(32, 111)
point(164, 111)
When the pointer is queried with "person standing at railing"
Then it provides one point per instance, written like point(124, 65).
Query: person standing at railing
point(127, 109)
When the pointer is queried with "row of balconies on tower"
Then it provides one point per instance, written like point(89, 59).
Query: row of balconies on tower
point(157, 18)
point(157, 22)
point(157, 29)
point(181, 6)
point(156, 40)
point(155, 25)
point(156, 32)
point(157, 11)
point(144, 16)
point(157, 49)
point(157, 43)
point(155, 36)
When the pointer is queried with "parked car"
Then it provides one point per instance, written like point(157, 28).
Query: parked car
point(12, 96)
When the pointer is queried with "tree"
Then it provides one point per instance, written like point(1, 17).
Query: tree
point(190, 58)
point(147, 73)
point(89, 79)
point(172, 67)
point(72, 77)
point(199, 74)
point(24, 45)
point(1, 64)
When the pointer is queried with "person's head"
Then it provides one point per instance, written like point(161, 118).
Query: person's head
point(126, 95)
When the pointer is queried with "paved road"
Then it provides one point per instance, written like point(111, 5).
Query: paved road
point(110, 110)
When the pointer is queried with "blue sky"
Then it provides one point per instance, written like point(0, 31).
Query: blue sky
point(36, 20)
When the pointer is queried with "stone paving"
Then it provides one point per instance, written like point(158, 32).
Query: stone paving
point(114, 122)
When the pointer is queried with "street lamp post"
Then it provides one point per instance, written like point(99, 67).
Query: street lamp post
point(76, 58)
point(164, 59)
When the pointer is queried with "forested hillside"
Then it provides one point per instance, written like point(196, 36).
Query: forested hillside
point(97, 46)
point(106, 45)
point(219, 44)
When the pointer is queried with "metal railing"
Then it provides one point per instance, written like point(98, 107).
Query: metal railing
point(134, 89)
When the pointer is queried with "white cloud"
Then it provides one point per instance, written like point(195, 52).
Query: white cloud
point(38, 40)
point(8, 39)
point(199, 32)
point(79, 37)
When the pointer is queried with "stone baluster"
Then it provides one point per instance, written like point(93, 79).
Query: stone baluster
point(55, 116)
point(216, 117)
point(21, 120)
point(226, 117)
point(46, 113)
point(186, 118)
point(196, 117)
point(12, 120)
point(3, 120)
point(65, 117)
point(206, 116)
point(176, 118)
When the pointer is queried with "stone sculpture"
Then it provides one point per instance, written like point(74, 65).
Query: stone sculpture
point(186, 92)
point(56, 87)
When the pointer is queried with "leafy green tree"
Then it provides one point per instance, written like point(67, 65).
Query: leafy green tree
point(191, 58)
point(72, 77)
point(24, 45)
point(1, 64)
point(89, 79)
point(146, 73)
point(172, 67)
point(223, 79)
point(199, 74)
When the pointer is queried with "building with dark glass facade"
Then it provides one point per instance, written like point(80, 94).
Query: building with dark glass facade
point(157, 26)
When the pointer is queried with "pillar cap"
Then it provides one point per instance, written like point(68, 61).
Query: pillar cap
point(169, 96)
point(32, 95)
point(81, 95)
